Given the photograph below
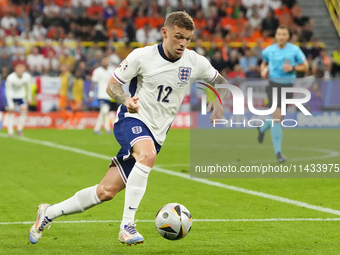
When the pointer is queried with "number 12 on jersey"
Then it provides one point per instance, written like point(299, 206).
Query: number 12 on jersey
point(167, 89)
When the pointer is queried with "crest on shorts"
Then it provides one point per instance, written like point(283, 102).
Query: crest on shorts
point(184, 74)
point(137, 130)
point(123, 65)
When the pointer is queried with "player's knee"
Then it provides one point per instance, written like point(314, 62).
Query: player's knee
point(147, 157)
point(107, 192)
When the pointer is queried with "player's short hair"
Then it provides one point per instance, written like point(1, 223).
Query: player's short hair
point(287, 28)
point(180, 19)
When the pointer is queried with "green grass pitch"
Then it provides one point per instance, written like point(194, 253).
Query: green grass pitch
point(32, 173)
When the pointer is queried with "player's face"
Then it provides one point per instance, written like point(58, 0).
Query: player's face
point(176, 40)
point(282, 36)
point(105, 62)
point(20, 69)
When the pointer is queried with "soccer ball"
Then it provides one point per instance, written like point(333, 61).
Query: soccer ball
point(173, 221)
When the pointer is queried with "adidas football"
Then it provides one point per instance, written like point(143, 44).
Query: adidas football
point(173, 221)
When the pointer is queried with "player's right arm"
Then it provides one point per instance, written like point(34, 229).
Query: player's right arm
point(124, 73)
point(264, 69)
point(115, 91)
point(264, 65)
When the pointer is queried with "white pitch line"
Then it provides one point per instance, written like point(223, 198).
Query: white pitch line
point(197, 220)
point(186, 176)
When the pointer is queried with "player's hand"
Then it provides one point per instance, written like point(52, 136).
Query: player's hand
point(217, 112)
point(287, 68)
point(132, 105)
point(265, 72)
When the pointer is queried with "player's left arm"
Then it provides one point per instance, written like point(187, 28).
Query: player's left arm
point(217, 112)
point(302, 64)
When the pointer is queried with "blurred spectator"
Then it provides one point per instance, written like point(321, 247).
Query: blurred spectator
point(38, 30)
point(23, 20)
point(335, 62)
point(155, 20)
point(5, 57)
point(248, 62)
point(67, 59)
point(65, 9)
point(233, 60)
point(305, 49)
point(69, 38)
point(99, 33)
point(18, 52)
point(255, 20)
point(110, 10)
point(51, 10)
point(8, 20)
point(78, 52)
point(270, 23)
point(237, 72)
point(227, 22)
point(35, 62)
point(307, 33)
point(78, 3)
point(199, 49)
point(51, 64)
point(114, 59)
point(275, 4)
point(148, 34)
point(85, 73)
point(94, 9)
point(258, 51)
point(140, 20)
point(322, 65)
point(3, 72)
point(217, 61)
point(211, 51)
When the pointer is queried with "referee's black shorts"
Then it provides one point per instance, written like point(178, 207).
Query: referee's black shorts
point(269, 91)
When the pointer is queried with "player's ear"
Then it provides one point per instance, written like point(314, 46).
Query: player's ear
point(164, 32)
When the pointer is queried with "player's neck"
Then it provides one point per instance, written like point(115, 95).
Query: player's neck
point(281, 46)
point(19, 76)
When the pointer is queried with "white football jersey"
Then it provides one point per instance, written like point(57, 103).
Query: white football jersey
point(101, 76)
point(160, 84)
point(15, 86)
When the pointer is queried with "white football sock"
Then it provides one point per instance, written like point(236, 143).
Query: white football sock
point(22, 120)
point(81, 201)
point(104, 109)
point(134, 192)
point(10, 123)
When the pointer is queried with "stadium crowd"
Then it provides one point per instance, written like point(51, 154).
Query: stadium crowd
point(29, 30)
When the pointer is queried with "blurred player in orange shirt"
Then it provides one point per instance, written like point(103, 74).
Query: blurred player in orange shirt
point(71, 95)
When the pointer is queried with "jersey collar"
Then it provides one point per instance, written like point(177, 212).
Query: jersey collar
point(162, 53)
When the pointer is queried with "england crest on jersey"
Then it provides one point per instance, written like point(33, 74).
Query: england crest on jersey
point(184, 74)
point(137, 130)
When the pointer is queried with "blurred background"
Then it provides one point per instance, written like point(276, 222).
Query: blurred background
point(44, 34)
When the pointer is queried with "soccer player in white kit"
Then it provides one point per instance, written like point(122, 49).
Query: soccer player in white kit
point(159, 76)
point(16, 95)
point(101, 76)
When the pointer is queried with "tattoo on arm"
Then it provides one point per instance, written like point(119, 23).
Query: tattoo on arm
point(222, 92)
point(116, 92)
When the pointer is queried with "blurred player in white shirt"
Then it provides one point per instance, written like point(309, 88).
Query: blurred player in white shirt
point(159, 77)
point(16, 95)
point(101, 76)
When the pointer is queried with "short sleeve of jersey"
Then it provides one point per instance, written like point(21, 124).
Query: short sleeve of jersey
point(9, 81)
point(265, 55)
point(206, 71)
point(300, 56)
point(128, 68)
point(95, 76)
